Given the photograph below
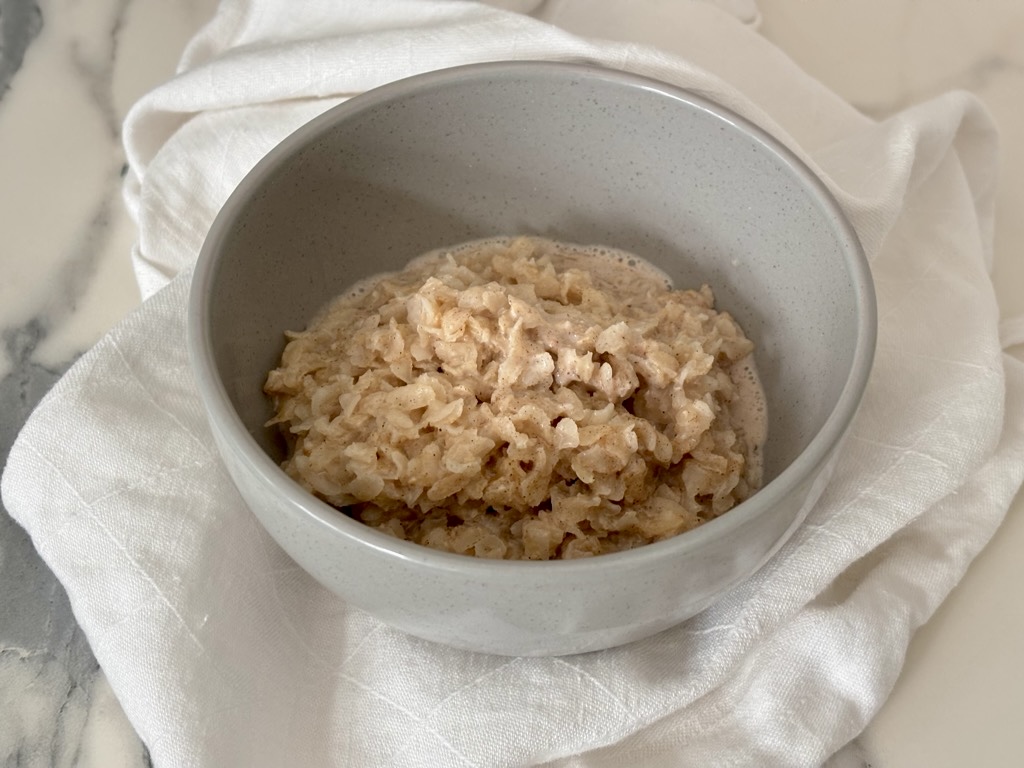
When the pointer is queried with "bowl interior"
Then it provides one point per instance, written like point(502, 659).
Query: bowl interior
point(569, 153)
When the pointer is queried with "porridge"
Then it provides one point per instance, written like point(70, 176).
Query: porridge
point(523, 399)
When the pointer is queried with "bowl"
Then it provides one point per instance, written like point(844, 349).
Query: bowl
point(568, 152)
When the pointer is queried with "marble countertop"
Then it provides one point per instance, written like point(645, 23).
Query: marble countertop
point(68, 73)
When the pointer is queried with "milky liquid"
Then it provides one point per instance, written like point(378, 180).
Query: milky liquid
point(749, 415)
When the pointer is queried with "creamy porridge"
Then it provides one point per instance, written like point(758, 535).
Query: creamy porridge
point(523, 399)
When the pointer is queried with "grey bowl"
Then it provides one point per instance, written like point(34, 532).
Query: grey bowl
point(574, 153)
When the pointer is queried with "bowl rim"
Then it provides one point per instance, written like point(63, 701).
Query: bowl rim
point(224, 418)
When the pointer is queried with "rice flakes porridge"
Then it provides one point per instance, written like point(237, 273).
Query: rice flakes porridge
point(523, 399)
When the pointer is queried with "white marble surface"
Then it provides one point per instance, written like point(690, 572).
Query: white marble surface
point(67, 278)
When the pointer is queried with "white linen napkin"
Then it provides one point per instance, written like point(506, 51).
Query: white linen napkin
point(224, 653)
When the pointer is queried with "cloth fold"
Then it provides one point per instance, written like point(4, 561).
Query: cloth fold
point(223, 652)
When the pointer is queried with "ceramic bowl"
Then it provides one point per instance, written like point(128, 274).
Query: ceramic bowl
point(569, 152)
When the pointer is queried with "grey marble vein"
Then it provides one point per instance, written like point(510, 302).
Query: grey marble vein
point(48, 672)
point(97, 69)
point(81, 263)
point(46, 666)
point(20, 22)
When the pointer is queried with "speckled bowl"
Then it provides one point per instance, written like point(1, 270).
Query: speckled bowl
point(569, 152)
